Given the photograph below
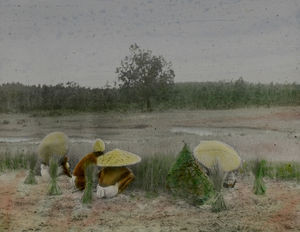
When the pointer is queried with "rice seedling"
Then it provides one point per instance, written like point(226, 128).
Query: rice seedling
point(151, 173)
point(7, 161)
point(30, 179)
point(288, 171)
point(89, 180)
point(274, 170)
point(53, 189)
point(186, 180)
point(217, 176)
point(259, 170)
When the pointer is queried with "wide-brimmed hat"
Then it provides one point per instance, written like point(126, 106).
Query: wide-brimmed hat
point(118, 158)
point(208, 153)
point(55, 143)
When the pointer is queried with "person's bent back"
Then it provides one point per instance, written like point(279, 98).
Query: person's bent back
point(91, 158)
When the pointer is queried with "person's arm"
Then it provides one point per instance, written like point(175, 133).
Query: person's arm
point(66, 167)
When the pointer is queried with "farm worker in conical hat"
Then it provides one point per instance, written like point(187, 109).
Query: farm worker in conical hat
point(208, 153)
point(114, 176)
point(91, 158)
point(54, 145)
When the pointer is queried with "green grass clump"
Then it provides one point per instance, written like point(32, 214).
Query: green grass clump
point(30, 179)
point(89, 180)
point(151, 173)
point(259, 170)
point(186, 180)
point(275, 170)
point(217, 177)
point(53, 186)
point(13, 162)
point(288, 171)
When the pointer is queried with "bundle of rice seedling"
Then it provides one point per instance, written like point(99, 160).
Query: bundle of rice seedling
point(53, 186)
point(258, 170)
point(217, 177)
point(30, 179)
point(186, 180)
point(89, 180)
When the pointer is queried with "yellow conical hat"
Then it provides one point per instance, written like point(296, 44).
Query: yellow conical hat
point(210, 152)
point(55, 143)
point(118, 158)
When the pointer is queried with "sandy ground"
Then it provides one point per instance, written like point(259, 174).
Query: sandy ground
point(29, 208)
point(272, 133)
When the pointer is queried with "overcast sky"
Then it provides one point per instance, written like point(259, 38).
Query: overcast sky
point(54, 41)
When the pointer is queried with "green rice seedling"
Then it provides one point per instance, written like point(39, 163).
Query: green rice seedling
point(186, 180)
point(2, 168)
point(259, 170)
point(89, 180)
point(30, 179)
point(53, 186)
point(23, 161)
point(151, 173)
point(217, 177)
point(287, 171)
point(7, 162)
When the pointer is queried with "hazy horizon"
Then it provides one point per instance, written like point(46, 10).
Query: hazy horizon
point(51, 42)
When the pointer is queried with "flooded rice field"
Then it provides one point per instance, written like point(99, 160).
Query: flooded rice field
point(271, 133)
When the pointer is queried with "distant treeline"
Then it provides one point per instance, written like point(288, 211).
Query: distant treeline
point(16, 97)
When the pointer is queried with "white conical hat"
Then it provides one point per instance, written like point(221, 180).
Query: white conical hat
point(210, 152)
point(55, 143)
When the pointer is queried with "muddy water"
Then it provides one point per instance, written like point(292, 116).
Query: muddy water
point(272, 133)
point(228, 131)
point(251, 143)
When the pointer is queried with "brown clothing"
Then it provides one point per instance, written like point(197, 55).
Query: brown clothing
point(112, 175)
point(79, 170)
point(106, 177)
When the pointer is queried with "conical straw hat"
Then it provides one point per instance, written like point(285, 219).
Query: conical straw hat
point(210, 152)
point(55, 143)
point(118, 158)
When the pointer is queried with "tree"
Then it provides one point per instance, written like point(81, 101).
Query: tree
point(144, 76)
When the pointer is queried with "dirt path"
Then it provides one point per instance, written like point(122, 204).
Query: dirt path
point(288, 216)
point(8, 189)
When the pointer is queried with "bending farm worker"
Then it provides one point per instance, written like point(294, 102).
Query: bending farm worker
point(91, 158)
point(54, 144)
point(114, 177)
point(208, 153)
